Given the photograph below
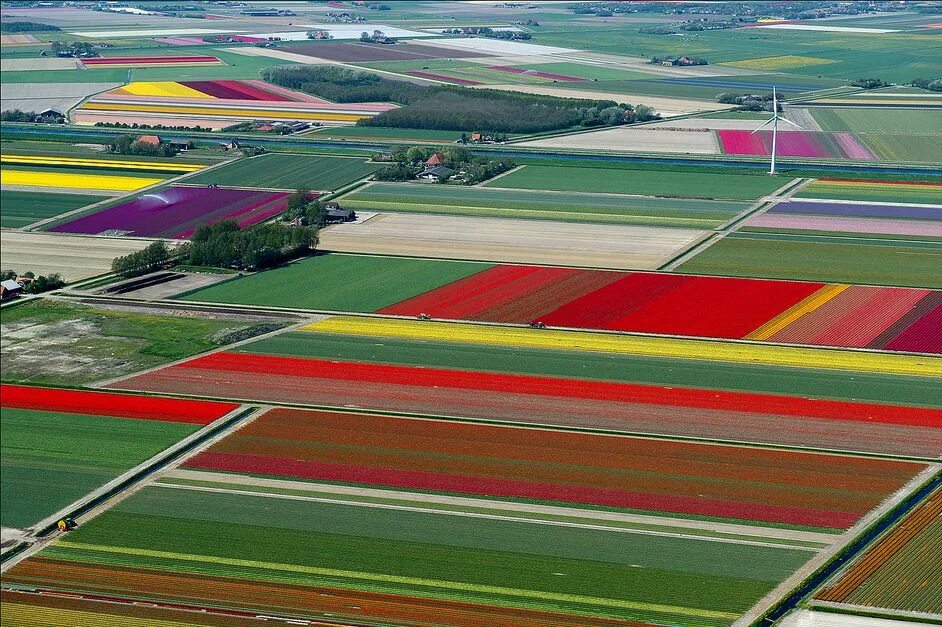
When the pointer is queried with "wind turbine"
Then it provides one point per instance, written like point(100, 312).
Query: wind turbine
point(774, 122)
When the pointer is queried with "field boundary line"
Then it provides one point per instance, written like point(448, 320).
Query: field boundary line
point(573, 511)
point(516, 168)
point(129, 482)
point(514, 519)
point(818, 565)
point(887, 613)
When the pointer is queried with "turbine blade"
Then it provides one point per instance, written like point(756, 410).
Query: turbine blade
point(762, 126)
point(787, 121)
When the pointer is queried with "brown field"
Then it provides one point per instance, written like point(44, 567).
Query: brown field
point(511, 240)
point(356, 51)
point(641, 139)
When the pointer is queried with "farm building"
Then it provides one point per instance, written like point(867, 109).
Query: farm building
point(435, 160)
point(151, 140)
point(436, 174)
point(10, 289)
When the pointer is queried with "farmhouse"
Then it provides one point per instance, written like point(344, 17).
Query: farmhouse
point(150, 140)
point(10, 289)
point(435, 160)
point(435, 174)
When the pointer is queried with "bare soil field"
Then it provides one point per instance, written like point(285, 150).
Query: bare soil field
point(359, 52)
point(74, 257)
point(637, 139)
point(20, 39)
point(511, 240)
point(38, 63)
point(40, 96)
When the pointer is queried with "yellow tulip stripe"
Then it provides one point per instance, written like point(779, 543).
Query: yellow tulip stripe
point(22, 614)
point(224, 111)
point(457, 586)
point(622, 344)
point(62, 180)
point(168, 89)
point(101, 163)
point(795, 312)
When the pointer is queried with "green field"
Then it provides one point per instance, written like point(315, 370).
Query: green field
point(18, 209)
point(339, 282)
point(925, 194)
point(924, 148)
point(542, 205)
point(271, 539)
point(64, 343)
point(883, 121)
point(237, 66)
point(417, 135)
point(811, 258)
point(896, 57)
point(288, 171)
point(52, 459)
point(645, 183)
point(588, 72)
point(635, 369)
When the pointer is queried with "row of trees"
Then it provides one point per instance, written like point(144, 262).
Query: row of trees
point(305, 210)
point(16, 115)
point(748, 102)
point(128, 145)
point(27, 27)
point(452, 108)
point(154, 257)
point(932, 84)
point(153, 127)
point(224, 244)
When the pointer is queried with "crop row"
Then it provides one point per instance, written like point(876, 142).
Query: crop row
point(677, 477)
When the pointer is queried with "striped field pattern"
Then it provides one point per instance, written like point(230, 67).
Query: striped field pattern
point(716, 307)
point(217, 104)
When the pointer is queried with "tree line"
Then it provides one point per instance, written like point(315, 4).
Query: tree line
point(453, 108)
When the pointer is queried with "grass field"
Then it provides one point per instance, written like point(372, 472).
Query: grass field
point(548, 205)
point(288, 171)
point(873, 191)
point(884, 121)
point(408, 554)
point(878, 262)
point(666, 371)
point(18, 209)
point(379, 132)
point(61, 343)
point(641, 182)
point(339, 282)
point(922, 148)
point(897, 57)
point(51, 459)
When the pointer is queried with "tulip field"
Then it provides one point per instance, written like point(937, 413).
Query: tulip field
point(414, 514)
point(60, 444)
point(796, 144)
point(216, 104)
point(175, 212)
point(873, 581)
point(518, 318)
point(793, 312)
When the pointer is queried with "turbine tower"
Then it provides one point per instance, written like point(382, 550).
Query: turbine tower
point(774, 122)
